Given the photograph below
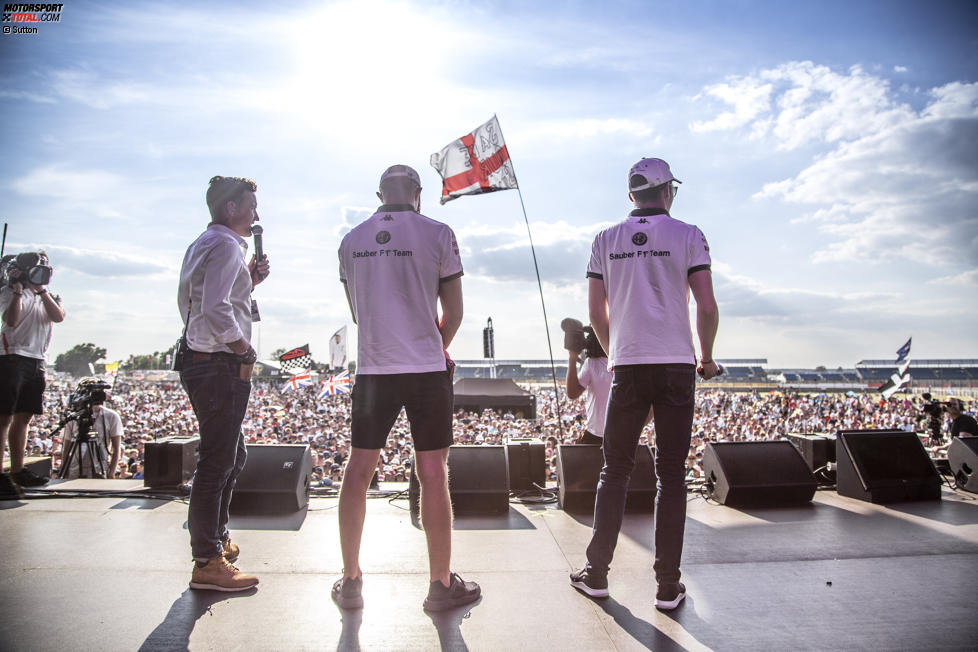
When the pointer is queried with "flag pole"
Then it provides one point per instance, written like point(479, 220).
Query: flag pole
point(536, 267)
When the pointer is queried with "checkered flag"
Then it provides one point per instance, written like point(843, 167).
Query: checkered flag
point(298, 358)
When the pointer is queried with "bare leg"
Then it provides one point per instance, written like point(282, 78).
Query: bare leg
point(353, 505)
point(4, 425)
point(436, 511)
point(17, 434)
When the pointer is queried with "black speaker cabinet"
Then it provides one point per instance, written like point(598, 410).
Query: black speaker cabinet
point(170, 462)
point(579, 468)
point(527, 464)
point(885, 466)
point(478, 480)
point(757, 473)
point(817, 450)
point(275, 479)
point(962, 455)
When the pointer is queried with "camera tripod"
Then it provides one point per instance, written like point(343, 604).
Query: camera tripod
point(96, 459)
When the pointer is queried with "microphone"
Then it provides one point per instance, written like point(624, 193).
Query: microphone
point(256, 231)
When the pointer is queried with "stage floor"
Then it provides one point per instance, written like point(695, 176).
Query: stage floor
point(111, 573)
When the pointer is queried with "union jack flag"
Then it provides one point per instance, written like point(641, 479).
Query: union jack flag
point(338, 384)
point(301, 379)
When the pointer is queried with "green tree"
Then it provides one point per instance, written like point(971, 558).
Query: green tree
point(76, 361)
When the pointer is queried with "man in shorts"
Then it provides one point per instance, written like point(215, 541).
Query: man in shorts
point(396, 267)
point(28, 310)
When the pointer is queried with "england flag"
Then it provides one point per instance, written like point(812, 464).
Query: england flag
point(338, 384)
point(477, 162)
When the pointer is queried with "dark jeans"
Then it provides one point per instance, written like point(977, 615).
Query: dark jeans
point(219, 399)
point(668, 388)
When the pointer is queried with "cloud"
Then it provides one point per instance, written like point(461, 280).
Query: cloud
point(61, 182)
point(92, 90)
point(800, 102)
point(968, 279)
point(504, 255)
point(893, 184)
point(103, 263)
point(575, 130)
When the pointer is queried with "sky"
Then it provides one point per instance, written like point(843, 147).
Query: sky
point(829, 152)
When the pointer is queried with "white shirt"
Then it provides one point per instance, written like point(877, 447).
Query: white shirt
point(596, 379)
point(215, 285)
point(645, 262)
point(393, 264)
point(32, 334)
point(107, 425)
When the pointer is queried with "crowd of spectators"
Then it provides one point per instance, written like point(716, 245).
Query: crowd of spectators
point(152, 410)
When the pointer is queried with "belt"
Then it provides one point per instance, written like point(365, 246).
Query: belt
point(202, 356)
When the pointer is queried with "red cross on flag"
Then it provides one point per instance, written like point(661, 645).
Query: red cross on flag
point(301, 379)
point(475, 163)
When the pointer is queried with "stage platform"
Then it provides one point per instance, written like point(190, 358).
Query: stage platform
point(111, 573)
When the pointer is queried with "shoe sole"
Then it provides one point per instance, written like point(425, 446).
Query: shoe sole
point(669, 605)
point(590, 590)
point(451, 603)
point(231, 560)
point(217, 587)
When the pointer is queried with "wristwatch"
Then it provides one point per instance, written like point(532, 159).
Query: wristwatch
point(249, 356)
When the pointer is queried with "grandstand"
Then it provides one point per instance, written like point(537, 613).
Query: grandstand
point(926, 375)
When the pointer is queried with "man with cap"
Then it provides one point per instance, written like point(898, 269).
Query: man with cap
point(396, 267)
point(639, 279)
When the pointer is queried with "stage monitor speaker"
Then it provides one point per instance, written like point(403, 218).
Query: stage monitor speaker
point(478, 480)
point(579, 468)
point(757, 473)
point(275, 479)
point(170, 462)
point(527, 464)
point(962, 455)
point(818, 450)
point(885, 466)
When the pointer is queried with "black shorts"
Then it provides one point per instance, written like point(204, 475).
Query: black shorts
point(22, 385)
point(428, 399)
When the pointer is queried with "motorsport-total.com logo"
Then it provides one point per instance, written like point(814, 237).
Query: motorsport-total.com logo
point(25, 16)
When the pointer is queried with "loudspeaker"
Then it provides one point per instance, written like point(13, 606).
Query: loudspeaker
point(962, 455)
point(885, 466)
point(579, 468)
point(817, 450)
point(478, 480)
point(170, 462)
point(756, 473)
point(527, 464)
point(275, 479)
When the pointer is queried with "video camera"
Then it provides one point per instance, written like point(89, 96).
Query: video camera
point(90, 392)
point(30, 267)
point(933, 410)
point(578, 337)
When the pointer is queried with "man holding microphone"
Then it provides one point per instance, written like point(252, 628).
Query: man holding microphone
point(216, 361)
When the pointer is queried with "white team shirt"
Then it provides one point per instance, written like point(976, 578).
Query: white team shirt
point(596, 378)
point(32, 335)
point(215, 285)
point(393, 264)
point(645, 262)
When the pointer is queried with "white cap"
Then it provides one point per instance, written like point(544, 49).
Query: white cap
point(655, 171)
point(400, 171)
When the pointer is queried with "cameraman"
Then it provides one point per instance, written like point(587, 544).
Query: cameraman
point(85, 462)
point(28, 310)
point(594, 381)
point(961, 423)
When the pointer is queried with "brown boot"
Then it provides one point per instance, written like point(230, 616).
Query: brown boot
point(219, 575)
point(231, 551)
